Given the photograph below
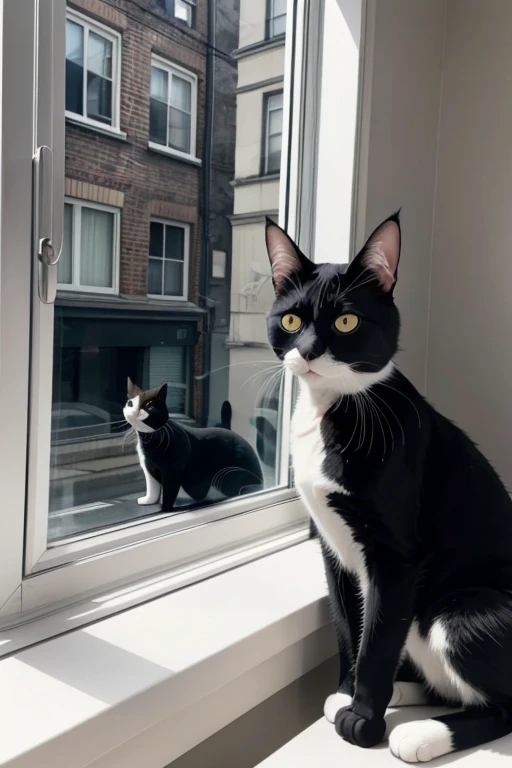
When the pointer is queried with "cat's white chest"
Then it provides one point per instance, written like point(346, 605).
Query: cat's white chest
point(308, 454)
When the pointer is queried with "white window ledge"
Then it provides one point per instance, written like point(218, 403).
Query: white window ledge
point(144, 686)
point(319, 745)
point(160, 149)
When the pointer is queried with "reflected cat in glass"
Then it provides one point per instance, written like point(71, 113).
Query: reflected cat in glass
point(198, 460)
point(414, 523)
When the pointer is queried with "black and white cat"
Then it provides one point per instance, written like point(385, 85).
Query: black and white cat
point(174, 456)
point(414, 523)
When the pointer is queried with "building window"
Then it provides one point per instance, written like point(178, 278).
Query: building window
point(172, 119)
point(89, 257)
point(92, 72)
point(168, 259)
point(183, 10)
point(170, 364)
point(273, 132)
point(276, 19)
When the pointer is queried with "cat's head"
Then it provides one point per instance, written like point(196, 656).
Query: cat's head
point(146, 410)
point(335, 326)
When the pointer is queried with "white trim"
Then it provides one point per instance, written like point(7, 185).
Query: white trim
point(163, 150)
point(115, 38)
point(186, 258)
point(241, 646)
point(171, 68)
point(75, 286)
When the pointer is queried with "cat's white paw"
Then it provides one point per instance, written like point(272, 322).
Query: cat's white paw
point(408, 695)
point(420, 741)
point(334, 703)
point(146, 501)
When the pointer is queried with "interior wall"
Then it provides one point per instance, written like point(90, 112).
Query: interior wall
point(401, 95)
point(469, 351)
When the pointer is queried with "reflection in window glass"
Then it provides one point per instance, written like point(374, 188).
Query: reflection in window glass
point(164, 276)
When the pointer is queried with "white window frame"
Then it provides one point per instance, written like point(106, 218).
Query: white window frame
point(174, 549)
point(266, 127)
point(186, 259)
point(114, 37)
point(75, 286)
point(171, 68)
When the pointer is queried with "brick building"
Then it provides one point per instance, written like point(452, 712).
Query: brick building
point(144, 273)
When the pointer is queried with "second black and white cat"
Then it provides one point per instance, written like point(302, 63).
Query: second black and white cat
point(174, 456)
point(414, 523)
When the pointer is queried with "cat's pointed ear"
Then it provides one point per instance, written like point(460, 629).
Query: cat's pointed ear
point(132, 389)
point(285, 258)
point(381, 254)
point(162, 391)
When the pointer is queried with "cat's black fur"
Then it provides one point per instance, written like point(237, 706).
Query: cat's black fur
point(195, 459)
point(431, 513)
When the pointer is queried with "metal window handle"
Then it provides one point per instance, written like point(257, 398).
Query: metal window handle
point(47, 255)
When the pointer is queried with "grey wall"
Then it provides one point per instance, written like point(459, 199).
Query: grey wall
point(470, 350)
point(401, 97)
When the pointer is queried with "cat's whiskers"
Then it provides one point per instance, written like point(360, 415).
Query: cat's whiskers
point(275, 367)
point(383, 384)
point(264, 393)
point(201, 376)
point(353, 432)
point(374, 394)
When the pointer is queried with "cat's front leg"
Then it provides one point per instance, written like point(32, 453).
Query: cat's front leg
point(170, 490)
point(153, 489)
point(388, 616)
point(345, 605)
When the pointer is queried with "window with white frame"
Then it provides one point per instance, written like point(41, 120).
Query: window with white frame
point(173, 108)
point(276, 18)
point(169, 243)
point(89, 257)
point(273, 132)
point(183, 10)
point(92, 72)
point(79, 525)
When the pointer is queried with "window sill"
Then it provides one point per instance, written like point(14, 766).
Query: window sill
point(159, 149)
point(144, 686)
point(112, 133)
point(319, 745)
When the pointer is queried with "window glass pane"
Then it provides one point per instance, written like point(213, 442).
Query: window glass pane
point(275, 101)
point(276, 121)
point(181, 93)
point(144, 226)
point(99, 55)
point(279, 25)
point(274, 154)
point(64, 266)
point(279, 7)
point(159, 84)
point(179, 130)
point(99, 98)
point(183, 11)
point(97, 248)
point(155, 277)
point(156, 239)
point(74, 68)
point(174, 243)
point(158, 122)
point(173, 278)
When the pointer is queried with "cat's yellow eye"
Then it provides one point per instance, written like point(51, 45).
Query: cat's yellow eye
point(346, 323)
point(291, 323)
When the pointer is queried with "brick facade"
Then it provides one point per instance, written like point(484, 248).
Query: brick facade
point(148, 180)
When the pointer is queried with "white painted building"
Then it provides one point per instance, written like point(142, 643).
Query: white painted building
point(257, 163)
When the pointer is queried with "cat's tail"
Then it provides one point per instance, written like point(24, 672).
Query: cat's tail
point(226, 414)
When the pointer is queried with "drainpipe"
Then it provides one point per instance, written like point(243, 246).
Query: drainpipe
point(205, 268)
